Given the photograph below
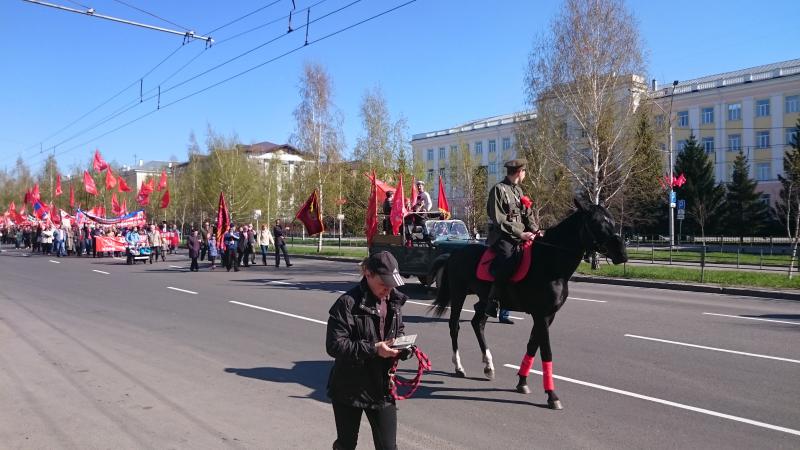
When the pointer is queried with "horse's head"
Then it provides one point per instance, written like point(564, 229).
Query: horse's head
point(598, 235)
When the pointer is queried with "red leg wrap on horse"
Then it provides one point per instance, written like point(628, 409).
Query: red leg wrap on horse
point(525, 366)
point(547, 376)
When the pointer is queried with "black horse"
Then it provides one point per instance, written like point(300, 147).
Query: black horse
point(541, 293)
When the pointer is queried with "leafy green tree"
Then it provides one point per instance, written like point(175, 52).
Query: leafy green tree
point(788, 205)
point(704, 197)
point(745, 212)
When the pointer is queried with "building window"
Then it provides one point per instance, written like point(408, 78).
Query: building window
point(763, 171)
point(478, 147)
point(442, 154)
point(708, 115)
point(506, 143)
point(762, 139)
point(453, 150)
point(708, 144)
point(762, 108)
point(683, 118)
point(430, 154)
point(465, 148)
point(792, 104)
point(584, 134)
point(659, 121)
point(430, 176)
point(735, 111)
point(492, 168)
point(734, 142)
point(492, 146)
point(680, 145)
point(790, 135)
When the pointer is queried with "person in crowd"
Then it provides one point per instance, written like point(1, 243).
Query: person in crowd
point(423, 201)
point(211, 242)
point(248, 239)
point(204, 240)
point(241, 246)
point(154, 236)
point(193, 242)
point(37, 239)
point(387, 212)
point(96, 231)
point(231, 239)
point(252, 241)
point(265, 239)
point(47, 239)
point(280, 245)
point(132, 239)
point(19, 238)
point(362, 325)
point(58, 241)
point(69, 241)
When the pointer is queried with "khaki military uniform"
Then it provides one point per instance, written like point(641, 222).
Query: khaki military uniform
point(508, 219)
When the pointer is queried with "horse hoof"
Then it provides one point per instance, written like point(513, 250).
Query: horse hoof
point(555, 404)
point(523, 389)
point(489, 372)
point(460, 374)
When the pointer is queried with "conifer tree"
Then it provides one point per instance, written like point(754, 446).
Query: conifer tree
point(703, 195)
point(745, 213)
point(788, 204)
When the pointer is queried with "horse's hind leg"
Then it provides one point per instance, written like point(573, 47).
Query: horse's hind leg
point(457, 303)
point(527, 360)
point(543, 337)
point(479, 324)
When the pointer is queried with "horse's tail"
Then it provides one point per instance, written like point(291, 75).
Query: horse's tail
point(442, 300)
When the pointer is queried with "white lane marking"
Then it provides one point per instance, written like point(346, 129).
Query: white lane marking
point(280, 282)
point(100, 271)
point(53, 261)
point(349, 273)
point(587, 299)
point(278, 312)
point(713, 348)
point(751, 318)
point(181, 290)
point(463, 309)
point(176, 267)
point(670, 403)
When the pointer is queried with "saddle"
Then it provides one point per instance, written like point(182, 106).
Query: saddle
point(483, 273)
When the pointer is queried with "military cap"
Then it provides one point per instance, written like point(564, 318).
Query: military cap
point(420, 182)
point(516, 163)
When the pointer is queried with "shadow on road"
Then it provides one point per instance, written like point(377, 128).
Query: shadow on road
point(774, 316)
point(311, 374)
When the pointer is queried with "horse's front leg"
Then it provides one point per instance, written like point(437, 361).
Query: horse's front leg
point(540, 337)
point(455, 314)
point(479, 324)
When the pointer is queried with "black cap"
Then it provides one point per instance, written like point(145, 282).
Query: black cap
point(516, 163)
point(384, 265)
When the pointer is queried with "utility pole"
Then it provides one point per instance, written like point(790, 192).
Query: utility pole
point(671, 164)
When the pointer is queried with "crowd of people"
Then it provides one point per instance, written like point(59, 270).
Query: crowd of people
point(152, 242)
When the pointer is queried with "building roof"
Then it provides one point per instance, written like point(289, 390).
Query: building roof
point(266, 147)
point(477, 124)
point(149, 166)
point(749, 75)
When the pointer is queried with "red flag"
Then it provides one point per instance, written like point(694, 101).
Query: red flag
point(115, 209)
point(165, 199)
point(71, 196)
point(371, 220)
point(12, 206)
point(398, 207)
point(35, 197)
point(54, 217)
point(223, 221)
point(414, 191)
point(27, 197)
point(58, 185)
point(88, 183)
point(310, 215)
point(111, 180)
point(444, 208)
point(99, 164)
point(143, 198)
point(162, 183)
point(124, 208)
point(122, 185)
point(149, 186)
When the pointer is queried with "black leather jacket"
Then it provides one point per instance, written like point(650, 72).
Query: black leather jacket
point(359, 376)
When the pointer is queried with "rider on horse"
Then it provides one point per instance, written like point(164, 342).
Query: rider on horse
point(510, 224)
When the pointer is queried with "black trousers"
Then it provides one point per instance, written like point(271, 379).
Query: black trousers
point(504, 263)
point(348, 420)
point(230, 258)
point(278, 249)
point(193, 265)
point(203, 248)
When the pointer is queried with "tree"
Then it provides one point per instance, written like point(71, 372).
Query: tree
point(582, 81)
point(788, 205)
point(642, 200)
point(703, 195)
point(745, 212)
point(318, 130)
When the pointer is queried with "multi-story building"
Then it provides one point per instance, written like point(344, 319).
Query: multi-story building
point(754, 110)
point(488, 142)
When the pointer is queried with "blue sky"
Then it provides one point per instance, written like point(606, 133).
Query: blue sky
point(439, 63)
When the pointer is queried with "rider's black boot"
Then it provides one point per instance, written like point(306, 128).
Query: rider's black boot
point(493, 300)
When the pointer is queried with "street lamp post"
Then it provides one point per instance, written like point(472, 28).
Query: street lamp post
point(671, 204)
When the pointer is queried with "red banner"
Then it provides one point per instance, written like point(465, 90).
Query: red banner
point(99, 164)
point(310, 215)
point(109, 243)
point(58, 185)
point(88, 183)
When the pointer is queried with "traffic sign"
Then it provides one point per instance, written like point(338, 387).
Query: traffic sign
point(681, 204)
point(681, 214)
point(672, 197)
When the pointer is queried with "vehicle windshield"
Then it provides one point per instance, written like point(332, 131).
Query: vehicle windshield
point(447, 229)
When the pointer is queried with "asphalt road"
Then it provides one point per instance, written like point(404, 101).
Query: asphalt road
point(97, 354)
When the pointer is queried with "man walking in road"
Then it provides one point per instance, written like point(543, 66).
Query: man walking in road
point(280, 245)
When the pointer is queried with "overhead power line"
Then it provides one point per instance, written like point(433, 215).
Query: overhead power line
point(150, 14)
point(269, 61)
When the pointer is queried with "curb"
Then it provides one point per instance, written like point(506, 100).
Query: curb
point(712, 289)
point(330, 258)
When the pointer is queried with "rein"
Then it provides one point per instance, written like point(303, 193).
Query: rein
point(395, 380)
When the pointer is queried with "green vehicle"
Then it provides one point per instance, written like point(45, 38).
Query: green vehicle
point(420, 254)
